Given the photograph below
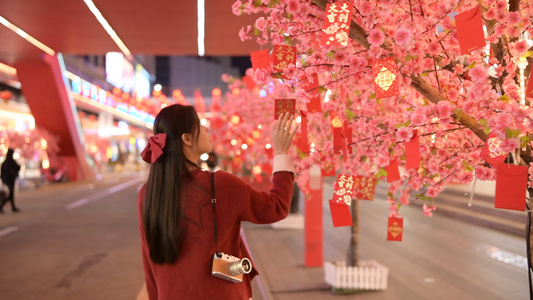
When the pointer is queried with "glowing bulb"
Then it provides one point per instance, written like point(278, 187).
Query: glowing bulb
point(268, 146)
point(233, 142)
point(244, 146)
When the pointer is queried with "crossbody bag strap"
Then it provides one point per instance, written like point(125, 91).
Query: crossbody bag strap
point(214, 201)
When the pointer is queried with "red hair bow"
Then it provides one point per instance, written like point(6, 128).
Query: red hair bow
point(154, 148)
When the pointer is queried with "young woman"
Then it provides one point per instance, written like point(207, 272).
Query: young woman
point(178, 219)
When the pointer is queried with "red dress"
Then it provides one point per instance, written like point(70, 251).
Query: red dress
point(190, 277)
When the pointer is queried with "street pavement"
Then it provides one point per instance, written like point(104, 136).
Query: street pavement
point(79, 240)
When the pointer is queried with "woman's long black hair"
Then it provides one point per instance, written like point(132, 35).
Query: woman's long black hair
point(162, 212)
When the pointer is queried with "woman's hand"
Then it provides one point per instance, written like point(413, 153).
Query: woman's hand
point(282, 134)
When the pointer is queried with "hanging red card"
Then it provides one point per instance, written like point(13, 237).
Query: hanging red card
point(364, 187)
point(412, 152)
point(338, 140)
point(282, 57)
point(393, 172)
point(348, 133)
point(395, 229)
point(328, 169)
point(336, 24)
point(385, 77)
point(491, 152)
point(303, 142)
point(249, 81)
point(343, 189)
point(470, 30)
point(311, 88)
point(260, 59)
point(340, 214)
point(511, 185)
point(284, 106)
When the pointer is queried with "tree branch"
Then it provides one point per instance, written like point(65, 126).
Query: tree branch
point(358, 34)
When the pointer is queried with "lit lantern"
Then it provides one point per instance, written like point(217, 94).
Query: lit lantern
point(116, 91)
point(256, 134)
point(235, 120)
point(125, 96)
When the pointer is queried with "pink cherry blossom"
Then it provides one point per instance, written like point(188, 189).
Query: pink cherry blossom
point(513, 18)
point(404, 134)
point(261, 75)
point(261, 23)
point(376, 37)
point(478, 73)
point(402, 36)
point(428, 210)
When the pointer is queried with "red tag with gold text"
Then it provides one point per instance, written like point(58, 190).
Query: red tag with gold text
point(364, 187)
point(336, 24)
point(282, 57)
point(395, 229)
point(284, 106)
point(385, 78)
point(491, 152)
point(344, 189)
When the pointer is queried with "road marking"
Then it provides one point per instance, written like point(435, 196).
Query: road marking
point(72, 205)
point(8, 230)
point(104, 193)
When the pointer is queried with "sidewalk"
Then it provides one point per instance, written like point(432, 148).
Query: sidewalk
point(439, 258)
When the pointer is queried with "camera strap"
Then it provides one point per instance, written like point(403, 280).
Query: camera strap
point(214, 201)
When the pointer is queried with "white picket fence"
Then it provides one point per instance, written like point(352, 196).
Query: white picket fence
point(292, 221)
point(369, 275)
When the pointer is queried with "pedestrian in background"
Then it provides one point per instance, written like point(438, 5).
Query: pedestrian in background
point(9, 173)
point(190, 219)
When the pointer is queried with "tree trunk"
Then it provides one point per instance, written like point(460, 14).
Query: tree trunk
point(352, 258)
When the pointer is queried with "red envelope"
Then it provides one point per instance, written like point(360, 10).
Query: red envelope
point(412, 152)
point(303, 142)
point(343, 189)
point(385, 77)
point(348, 133)
point(395, 229)
point(314, 104)
point(336, 24)
point(283, 106)
point(250, 83)
point(282, 57)
point(260, 59)
point(491, 152)
point(338, 139)
point(340, 214)
point(393, 173)
point(470, 30)
point(328, 169)
point(529, 89)
point(511, 185)
point(365, 187)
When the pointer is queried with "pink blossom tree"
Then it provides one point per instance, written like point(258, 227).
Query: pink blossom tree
point(452, 100)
